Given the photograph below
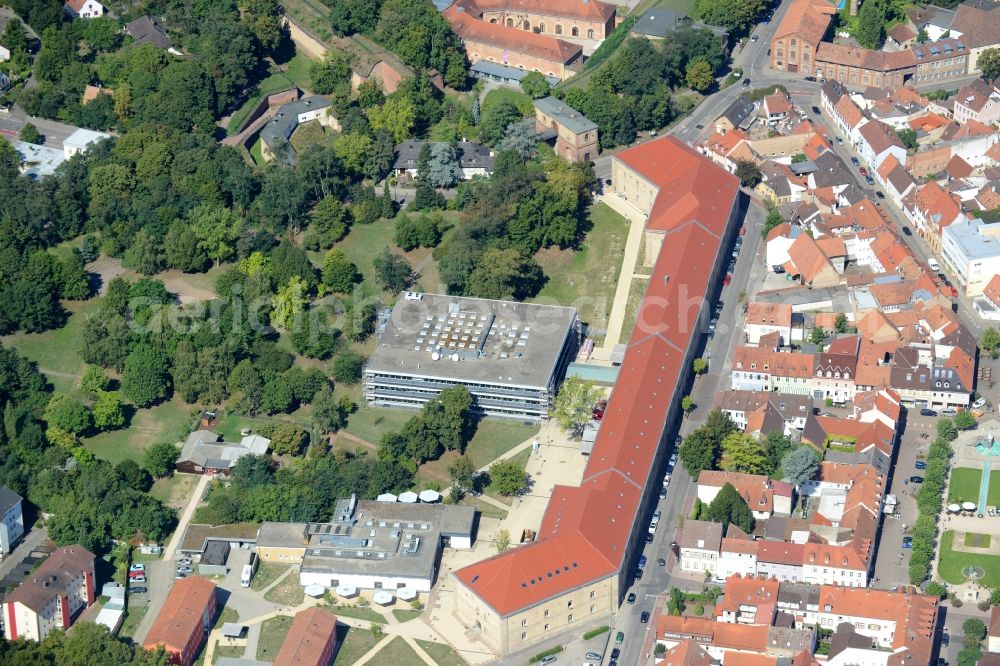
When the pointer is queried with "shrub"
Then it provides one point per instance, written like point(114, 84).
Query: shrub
point(595, 632)
point(542, 655)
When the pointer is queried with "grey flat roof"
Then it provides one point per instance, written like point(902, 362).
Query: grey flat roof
point(500, 71)
point(381, 538)
point(565, 115)
point(286, 119)
point(497, 342)
point(973, 244)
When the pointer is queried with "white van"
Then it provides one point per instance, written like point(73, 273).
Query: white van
point(932, 262)
point(247, 574)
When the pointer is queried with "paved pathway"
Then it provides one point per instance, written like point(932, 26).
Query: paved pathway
point(175, 540)
point(616, 318)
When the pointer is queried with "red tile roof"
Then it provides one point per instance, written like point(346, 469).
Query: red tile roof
point(470, 28)
point(807, 20)
point(855, 56)
point(311, 632)
point(686, 653)
point(585, 531)
point(590, 10)
point(182, 614)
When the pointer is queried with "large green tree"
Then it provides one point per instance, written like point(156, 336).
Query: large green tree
point(988, 63)
point(145, 379)
point(729, 507)
point(575, 402)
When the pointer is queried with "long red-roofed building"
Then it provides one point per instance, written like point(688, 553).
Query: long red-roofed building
point(310, 640)
point(184, 620)
point(576, 569)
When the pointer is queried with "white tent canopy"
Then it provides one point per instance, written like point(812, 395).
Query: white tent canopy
point(407, 593)
point(954, 508)
point(386, 497)
point(969, 506)
point(408, 497)
point(315, 590)
point(383, 598)
point(346, 591)
point(429, 496)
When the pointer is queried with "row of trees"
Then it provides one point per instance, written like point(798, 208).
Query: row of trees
point(925, 530)
point(90, 644)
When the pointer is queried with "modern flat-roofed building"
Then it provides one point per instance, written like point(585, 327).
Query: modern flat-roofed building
point(510, 356)
point(370, 544)
point(51, 596)
point(184, 621)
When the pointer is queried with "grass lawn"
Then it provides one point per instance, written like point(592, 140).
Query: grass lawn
point(964, 486)
point(296, 73)
point(353, 644)
point(587, 277)
point(515, 97)
point(442, 655)
point(406, 614)
point(167, 422)
point(297, 69)
point(174, 490)
point(314, 18)
point(287, 593)
point(397, 652)
point(234, 651)
point(227, 615)
point(976, 540)
point(370, 424)
point(267, 573)
point(635, 294)
point(951, 564)
point(485, 509)
point(257, 152)
point(133, 616)
point(308, 134)
point(364, 243)
point(358, 613)
point(56, 350)
point(271, 636)
point(495, 437)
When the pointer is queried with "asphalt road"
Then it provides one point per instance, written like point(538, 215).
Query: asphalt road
point(53, 132)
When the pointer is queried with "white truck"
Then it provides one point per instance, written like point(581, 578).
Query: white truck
point(247, 575)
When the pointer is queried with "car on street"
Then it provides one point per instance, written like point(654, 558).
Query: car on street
point(630, 598)
point(649, 538)
point(809, 78)
point(907, 232)
point(948, 411)
point(855, 162)
point(880, 194)
point(754, 39)
point(863, 171)
point(619, 639)
point(642, 561)
point(545, 661)
point(815, 110)
point(743, 230)
point(746, 83)
point(869, 180)
point(677, 440)
point(712, 324)
point(180, 576)
point(139, 590)
point(673, 459)
point(920, 464)
point(661, 562)
point(616, 652)
point(840, 141)
point(663, 493)
point(916, 479)
point(907, 542)
point(979, 404)
point(595, 655)
point(945, 638)
point(927, 412)
point(137, 580)
point(644, 618)
point(726, 281)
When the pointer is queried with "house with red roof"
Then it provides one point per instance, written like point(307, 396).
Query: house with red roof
point(590, 536)
point(764, 496)
point(931, 208)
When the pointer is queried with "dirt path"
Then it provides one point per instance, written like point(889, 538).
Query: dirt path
point(344, 435)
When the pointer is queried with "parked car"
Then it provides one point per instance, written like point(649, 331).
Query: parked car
point(642, 561)
point(663, 493)
point(615, 653)
point(863, 171)
point(619, 639)
point(661, 562)
point(815, 109)
point(137, 580)
point(948, 411)
point(728, 280)
point(916, 479)
point(979, 404)
point(595, 655)
point(809, 78)
point(880, 194)
point(136, 574)
point(869, 180)
point(743, 230)
point(673, 459)
point(840, 141)
point(754, 39)
point(630, 598)
point(545, 661)
point(927, 412)
point(139, 590)
point(920, 464)
point(649, 538)
point(907, 542)
point(855, 162)
point(746, 83)
point(644, 618)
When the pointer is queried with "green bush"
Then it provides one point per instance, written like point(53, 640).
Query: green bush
point(929, 506)
point(596, 632)
point(542, 655)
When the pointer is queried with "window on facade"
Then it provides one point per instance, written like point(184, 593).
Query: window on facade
point(593, 594)
point(794, 42)
point(523, 635)
point(575, 32)
point(524, 623)
point(546, 614)
point(590, 33)
point(558, 29)
point(541, 27)
point(510, 23)
point(569, 618)
point(526, 25)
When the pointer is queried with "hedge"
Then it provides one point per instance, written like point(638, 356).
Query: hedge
point(542, 655)
point(596, 632)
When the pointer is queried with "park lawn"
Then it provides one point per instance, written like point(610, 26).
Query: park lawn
point(515, 97)
point(297, 69)
point(353, 644)
point(267, 573)
point(370, 423)
point(406, 614)
point(366, 614)
point(977, 540)
point(635, 294)
point(231, 651)
point(272, 634)
point(442, 655)
point(296, 73)
point(496, 436)
point(257, 152)
point(363, 244)
point(587, 277)
point(287, 593)
point(952, 562)
point(174, 490)
point(964, 486)
point(169, 421)
point(397, 652)
point(484, 508)
point(57, 350)
point(308, 134)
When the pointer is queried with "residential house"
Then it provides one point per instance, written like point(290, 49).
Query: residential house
point(776, 108)
point(834, 371)
point(576, 135)
point(473, 159)
point(80, 140)
point(51, 596)
point(184, 620)
point(149, 30)
point(797, 38)
point(698, 545)
point(765, 318)
point(940, 60)
point(823, 432)
point(811, 264)
point(977, 101)
point(780, 560)
point(923, 380)
point(83, 8)
point(740, 114)
point(970, 250)
point(11, 520)
point(931, 208)
point(748, 600)
point(879, 141)
point(764, 496)
point(901, 35)
point(737, 557)
point(978, 26)
point(205, 452)
point(310, 641)
point(895, 179)
point(750, 409)
point(858, 68)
